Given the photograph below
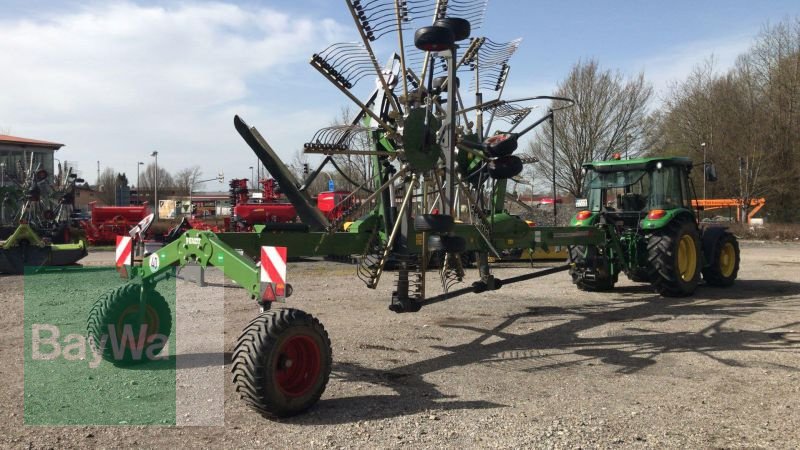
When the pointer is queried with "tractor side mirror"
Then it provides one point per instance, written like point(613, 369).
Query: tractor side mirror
point(711, 172)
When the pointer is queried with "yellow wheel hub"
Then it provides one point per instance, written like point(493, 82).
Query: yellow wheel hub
point(687, 257)
point(727, 259)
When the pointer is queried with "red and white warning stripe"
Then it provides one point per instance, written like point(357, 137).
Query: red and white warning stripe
point(124, 251)
point(273, 264)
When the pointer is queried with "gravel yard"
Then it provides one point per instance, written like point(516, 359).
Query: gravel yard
point(535, 364)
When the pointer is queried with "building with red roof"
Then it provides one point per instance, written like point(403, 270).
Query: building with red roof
point(16, 154)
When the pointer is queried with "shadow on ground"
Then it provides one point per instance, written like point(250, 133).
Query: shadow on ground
point(632, 350)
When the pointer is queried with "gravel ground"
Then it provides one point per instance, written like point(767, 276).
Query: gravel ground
point(536, 364)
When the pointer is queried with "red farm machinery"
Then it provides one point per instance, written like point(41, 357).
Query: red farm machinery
point(108, 222)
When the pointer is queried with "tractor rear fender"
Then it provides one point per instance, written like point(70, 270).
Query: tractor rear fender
point(669, 215)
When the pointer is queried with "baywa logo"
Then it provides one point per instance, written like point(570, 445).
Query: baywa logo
point(120, 346)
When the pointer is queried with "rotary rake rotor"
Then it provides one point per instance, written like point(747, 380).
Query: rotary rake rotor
point(435, 152)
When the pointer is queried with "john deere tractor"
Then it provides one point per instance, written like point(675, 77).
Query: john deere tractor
point(652, 231)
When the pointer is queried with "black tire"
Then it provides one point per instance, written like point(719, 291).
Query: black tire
point(434, 38)
point(582, 255)
point(438, 83)
point(120, 308)
point(505, 167)
point(723, 267)
point(261, 371)
point(501, 144)
point(639, 276)
point(461, 28)
point(449, 244)
point(663, 259)
point(434, 223)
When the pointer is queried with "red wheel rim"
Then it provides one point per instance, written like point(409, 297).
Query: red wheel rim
point(298, 366)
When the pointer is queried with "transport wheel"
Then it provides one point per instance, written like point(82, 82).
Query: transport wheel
point(461, 28)
point(282, 362)
point(434, 223)
point(588, 256)
point(505, 167)
point(724, 264)
point(116, 323)
point(434, 39)
point(449, 244)
point(673, 254)
point(502, 144)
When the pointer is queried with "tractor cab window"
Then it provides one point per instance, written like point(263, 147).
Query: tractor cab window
point(667, 190)
point(618, 191)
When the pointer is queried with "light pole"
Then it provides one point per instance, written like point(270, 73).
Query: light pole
point(138, 182)
point(252, 179)
point(703, 146)
point(2, 184)
point(155, 185)
point(627, 144)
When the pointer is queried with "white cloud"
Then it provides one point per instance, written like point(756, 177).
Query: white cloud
point(675, 64)
point(114, 82)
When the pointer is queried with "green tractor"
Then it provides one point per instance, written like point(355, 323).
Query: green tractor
point(652, 231)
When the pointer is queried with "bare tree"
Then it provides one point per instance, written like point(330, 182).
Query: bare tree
point(355, 167)
point(611, 115)
point(749, 119)
point(186, 178)
point(148, 177)
point(106, 186)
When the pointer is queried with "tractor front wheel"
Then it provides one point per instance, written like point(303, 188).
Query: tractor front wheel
point(723, 264)
point(674, 258)
point(282, 362)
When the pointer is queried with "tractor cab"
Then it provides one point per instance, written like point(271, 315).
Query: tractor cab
point(627, 192)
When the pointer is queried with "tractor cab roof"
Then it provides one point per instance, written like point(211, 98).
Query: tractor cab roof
point(648, 164)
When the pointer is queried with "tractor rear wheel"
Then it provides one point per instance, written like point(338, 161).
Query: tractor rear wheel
point(282, 362)
point(724, 262)
point(674, 262)
point(115, 325)
point(587, 256)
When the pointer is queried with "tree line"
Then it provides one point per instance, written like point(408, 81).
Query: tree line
point(178, 183)
point(746, 120)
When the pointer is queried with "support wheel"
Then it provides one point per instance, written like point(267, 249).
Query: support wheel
point(116, 324)
point(588, 259)
point(724, 262)
point(282, 362)
point(673, 254)
point(449, 244)
point(434, 223)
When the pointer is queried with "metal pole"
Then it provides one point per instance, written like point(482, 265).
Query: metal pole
point(703, 145)
point(252, 178)
point(553, 148)
point(155, 186)
point(138, 184)
point(3, 200)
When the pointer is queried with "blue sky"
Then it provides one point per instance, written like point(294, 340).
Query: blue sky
point(116, 80)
